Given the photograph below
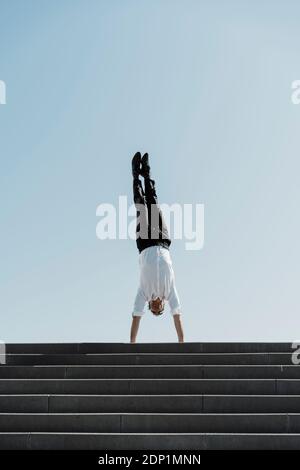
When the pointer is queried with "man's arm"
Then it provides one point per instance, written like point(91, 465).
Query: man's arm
point(134, 328)
point(138, 312)
point(175, 307)
point(178, 326)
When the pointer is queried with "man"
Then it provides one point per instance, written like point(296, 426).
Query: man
point(157, 281)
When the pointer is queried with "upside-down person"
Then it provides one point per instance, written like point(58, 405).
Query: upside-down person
point(157, 281)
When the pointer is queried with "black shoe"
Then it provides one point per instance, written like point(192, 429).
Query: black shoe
point(136, 165)
point(145, 171)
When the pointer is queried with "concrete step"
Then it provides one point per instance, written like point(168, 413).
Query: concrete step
point(152, 359)
point(148, 441)
point(250, 372)
point(150, 396)
point(159, 371)
point(150, 422)
point(151, 386)
point(70, 348)
point(131, 372)
point(149, 403)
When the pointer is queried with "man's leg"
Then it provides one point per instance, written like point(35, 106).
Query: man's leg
point(140, 203)
point(157, 226)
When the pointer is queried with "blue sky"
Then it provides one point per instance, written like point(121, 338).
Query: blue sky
point(204, 87)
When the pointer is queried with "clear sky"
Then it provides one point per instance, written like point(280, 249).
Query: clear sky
point(205, 88)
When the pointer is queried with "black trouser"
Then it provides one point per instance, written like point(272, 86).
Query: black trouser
point(150, 228)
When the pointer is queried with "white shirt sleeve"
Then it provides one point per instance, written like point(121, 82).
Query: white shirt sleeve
point(139, 304)
point(174, 301)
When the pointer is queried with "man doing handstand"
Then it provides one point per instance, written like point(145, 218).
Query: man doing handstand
point(157, 281)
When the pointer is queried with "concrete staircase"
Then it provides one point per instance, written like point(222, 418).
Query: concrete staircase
point(150, 396)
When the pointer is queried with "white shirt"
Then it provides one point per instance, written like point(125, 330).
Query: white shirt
point(156, 280)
